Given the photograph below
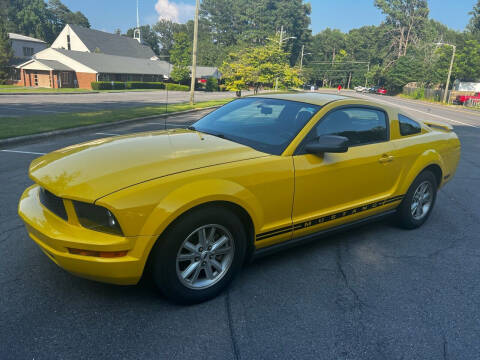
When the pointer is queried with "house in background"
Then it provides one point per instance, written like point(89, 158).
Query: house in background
point(466, 86)
point(60, 68)
point(80, 56)
point(78, 38)
point(24, 47)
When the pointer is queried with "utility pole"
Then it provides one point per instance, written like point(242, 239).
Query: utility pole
point(449, 74)
point(368, 70)
point(194, 55)
point(445, 94)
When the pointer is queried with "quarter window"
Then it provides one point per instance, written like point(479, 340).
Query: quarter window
point(360, 125)
point(408, 126)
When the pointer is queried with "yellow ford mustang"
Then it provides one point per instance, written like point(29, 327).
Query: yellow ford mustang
point(250, 177)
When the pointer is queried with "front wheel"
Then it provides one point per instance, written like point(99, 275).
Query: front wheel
point(199, 255)
point(418, 203)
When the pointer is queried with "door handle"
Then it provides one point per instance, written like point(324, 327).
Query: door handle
point(385, 159)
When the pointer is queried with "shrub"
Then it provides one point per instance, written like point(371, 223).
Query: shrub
point(178, 87)
point(212, 84)
point(108, 85)
point(144, 85)
point(222, 87)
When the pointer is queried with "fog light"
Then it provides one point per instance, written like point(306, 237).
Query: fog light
point(103, 254)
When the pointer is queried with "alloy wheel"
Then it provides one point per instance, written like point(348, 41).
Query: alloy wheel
point(205, 256)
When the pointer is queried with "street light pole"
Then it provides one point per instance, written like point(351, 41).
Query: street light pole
point(301, 57)
point(194, 55)
point(279, 48)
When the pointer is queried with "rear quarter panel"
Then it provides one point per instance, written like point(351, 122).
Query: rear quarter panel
point(416, 152)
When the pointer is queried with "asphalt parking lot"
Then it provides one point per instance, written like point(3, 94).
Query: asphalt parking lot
point(44, 104)
point(376, 292)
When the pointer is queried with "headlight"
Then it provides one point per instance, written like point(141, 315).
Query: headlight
point(97, 218)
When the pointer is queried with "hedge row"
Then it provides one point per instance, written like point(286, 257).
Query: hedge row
point(177, 87)
point(120, 85)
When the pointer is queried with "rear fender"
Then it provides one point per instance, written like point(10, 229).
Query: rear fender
point(427, 158)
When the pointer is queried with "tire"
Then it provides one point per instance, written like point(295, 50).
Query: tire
point(186, 272)
point(415, 209)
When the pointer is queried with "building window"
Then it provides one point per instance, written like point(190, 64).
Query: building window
point(35, 79)
point(65, 76)
point(27, 51)
point(68, 43)
point(15, 74)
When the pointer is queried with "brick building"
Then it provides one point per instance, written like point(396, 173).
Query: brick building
point(80, 56)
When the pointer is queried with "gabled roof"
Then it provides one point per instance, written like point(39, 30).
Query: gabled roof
point(42, 64)
point(103, 63)
point(54, 64)
point(14, 36)
point(111, 44)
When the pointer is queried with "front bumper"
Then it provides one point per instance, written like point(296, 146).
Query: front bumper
point(55, 235)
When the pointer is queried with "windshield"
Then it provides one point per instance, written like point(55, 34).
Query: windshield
point(267, 125)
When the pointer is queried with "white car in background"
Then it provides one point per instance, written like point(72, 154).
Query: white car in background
point(360, 89)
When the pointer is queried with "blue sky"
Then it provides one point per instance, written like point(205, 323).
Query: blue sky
point(108, 15)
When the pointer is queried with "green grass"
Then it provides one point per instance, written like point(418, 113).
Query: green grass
point(21, 89)
point(26, 125)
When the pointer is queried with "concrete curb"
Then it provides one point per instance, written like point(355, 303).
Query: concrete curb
point(49, 93)
point(33, 137)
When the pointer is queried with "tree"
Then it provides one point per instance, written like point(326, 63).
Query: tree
point(407, 19)
point(149, 37)
point(467, 63)
point(31, 18)
point(259, 66)
point(37, 19)
point(233, 22)
point(165, 30)
point(61, 15)
point(5, 52)
point(180, 56)
point(474, 24)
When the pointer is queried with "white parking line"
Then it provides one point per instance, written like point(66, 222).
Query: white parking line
point(23, 152)
point(108, 134)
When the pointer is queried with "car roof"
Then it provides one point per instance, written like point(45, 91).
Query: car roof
point(306, 97)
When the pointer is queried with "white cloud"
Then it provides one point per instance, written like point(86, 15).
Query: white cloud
point(177, 12)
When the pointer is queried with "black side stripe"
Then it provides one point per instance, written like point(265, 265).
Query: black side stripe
point(327, 218)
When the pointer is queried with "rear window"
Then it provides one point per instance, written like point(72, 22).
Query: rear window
point(408, 126)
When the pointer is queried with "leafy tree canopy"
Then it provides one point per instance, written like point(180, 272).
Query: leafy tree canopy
point(259, 66)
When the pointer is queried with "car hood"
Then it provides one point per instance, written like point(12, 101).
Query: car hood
point(94, 169)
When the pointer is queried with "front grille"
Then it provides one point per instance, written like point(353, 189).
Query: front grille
point(53, 203)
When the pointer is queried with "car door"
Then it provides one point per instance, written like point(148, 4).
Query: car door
point(334, 188)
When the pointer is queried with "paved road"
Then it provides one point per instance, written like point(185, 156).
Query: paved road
point(376, 292)
point(21, 105)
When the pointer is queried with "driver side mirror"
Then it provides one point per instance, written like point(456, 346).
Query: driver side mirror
point(327, 144)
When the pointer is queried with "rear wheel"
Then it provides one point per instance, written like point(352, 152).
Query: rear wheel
point(418, 203)
point(199, 255)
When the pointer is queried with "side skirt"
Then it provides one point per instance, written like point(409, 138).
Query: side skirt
point(320, 234)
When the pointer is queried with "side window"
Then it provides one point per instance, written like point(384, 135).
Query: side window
point(408, 126)
point(360, 125)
